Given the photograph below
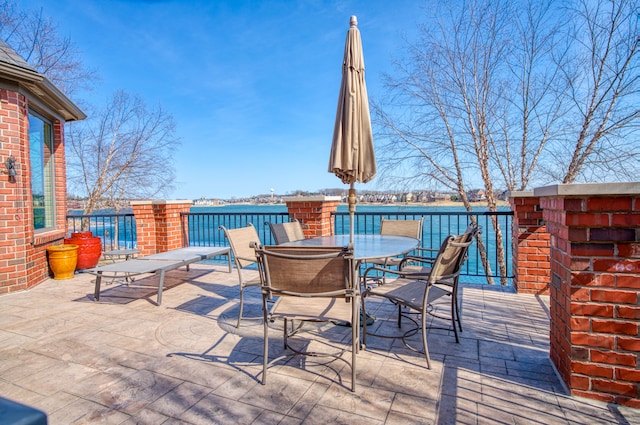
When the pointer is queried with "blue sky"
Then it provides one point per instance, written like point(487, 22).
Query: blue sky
point(252, 85)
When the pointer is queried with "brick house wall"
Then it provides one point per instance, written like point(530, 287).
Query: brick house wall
point(23, 261)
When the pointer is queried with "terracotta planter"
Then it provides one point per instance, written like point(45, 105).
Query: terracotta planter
point(63, 260)
point(89, 249)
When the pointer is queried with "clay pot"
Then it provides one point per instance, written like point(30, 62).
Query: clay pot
point(63, 260)
point(89, 249)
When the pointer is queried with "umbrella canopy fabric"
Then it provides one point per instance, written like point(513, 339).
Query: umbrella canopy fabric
point(352, 154)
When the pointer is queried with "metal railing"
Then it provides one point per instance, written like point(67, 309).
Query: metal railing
point(203, 229)
point(438, 225)
point(117, 231)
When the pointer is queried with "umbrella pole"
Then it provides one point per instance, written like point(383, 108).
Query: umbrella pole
point(352, 211)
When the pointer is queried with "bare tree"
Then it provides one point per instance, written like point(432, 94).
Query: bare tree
point(123, 151)
point(603, 78)
point(489, 92)
point(37, 40)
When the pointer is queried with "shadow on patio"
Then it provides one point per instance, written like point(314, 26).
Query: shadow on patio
point(126, 360)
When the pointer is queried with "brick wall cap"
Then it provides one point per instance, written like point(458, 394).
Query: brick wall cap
point(581, 189)
point(316, 198)
point(162, 202)
point(521, 194)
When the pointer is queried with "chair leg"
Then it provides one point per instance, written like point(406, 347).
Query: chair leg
point(364, 324)
point(453, 317)
point(458, 312)
point(424, 339)
point(286, 333)
point(399, 315)
point(355, 340)
point(241, 305)
point(265, 350)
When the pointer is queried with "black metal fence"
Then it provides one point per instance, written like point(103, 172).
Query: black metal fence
point(118, 231)
point(438, 225)
point(203, 229)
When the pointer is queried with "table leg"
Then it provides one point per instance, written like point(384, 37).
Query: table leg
point(96, 293)
point(160, 286)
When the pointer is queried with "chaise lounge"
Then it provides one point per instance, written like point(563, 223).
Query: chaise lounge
point(159, 264)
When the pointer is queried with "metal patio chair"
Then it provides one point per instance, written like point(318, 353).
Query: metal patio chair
point(418, 292)
point(286, 232)
point(312, 284)
point(244, 256)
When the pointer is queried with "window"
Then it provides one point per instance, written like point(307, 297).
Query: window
point(42, 171)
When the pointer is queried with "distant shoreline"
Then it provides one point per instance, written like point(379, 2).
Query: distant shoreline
point(379, 204)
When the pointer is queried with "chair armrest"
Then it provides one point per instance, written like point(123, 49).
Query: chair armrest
point(385, 270)
point(416, 259)
point(425, 250)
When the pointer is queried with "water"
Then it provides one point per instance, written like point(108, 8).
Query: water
point(439, 222)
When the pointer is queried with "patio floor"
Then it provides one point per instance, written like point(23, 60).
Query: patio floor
point(124, 360)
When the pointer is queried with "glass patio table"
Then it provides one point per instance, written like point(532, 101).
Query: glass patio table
point(365, 247)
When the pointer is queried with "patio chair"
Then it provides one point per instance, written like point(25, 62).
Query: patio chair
point(419, 292)
point(409, 228)
point(244, 255)
point(286, 232)
point(312, 284)
point(414, 265)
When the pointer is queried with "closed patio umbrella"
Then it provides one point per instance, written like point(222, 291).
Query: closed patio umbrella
point(352, 155)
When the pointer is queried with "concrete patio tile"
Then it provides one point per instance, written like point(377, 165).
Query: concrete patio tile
point(126, 360)
point(288, 420)
point(146, 417)
point(180, 399)
point(367, 402)
point(236, 386)
point(408, 379)
point(197, 370)
point(308, 401)
point(408, 406)
point(24, 364)
point(215, 409)
point(458, 381)
point(399, 418)
point(453, 410)
point(58, 376)
point(86, 412)
point(135, 392)
point(322, 415)
point(280, 394)
point(576, 410)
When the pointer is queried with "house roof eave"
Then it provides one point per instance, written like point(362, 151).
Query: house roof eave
point(45, 90)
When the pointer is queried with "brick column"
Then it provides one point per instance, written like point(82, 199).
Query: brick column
point(595, 288)
point(531, 240)
point(158, 225)
point(314, 212)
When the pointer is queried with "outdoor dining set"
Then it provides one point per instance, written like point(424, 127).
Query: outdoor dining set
point(328, 279)
point(305, 281)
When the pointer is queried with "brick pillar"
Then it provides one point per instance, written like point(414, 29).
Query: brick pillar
point(531, 241)
point(314, 212)
point(158, 225)
point(595, 288)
